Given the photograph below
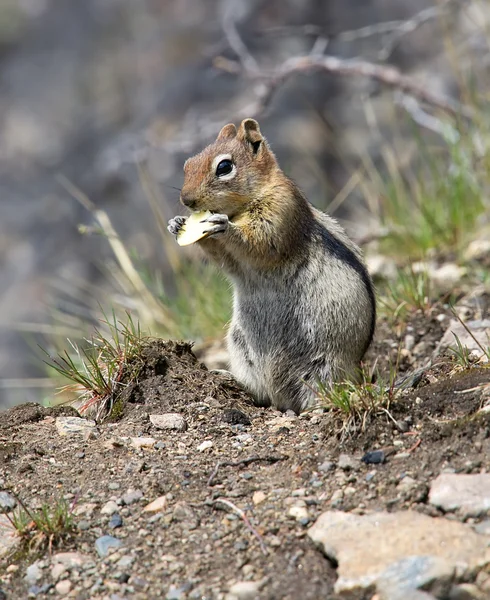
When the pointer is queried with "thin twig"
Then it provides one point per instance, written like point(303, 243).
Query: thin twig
point(243, 462)
point(416, 445)
point(240, 512)
point(389, 31)
point(386, 75)
point(422, 118)
point(234, 39)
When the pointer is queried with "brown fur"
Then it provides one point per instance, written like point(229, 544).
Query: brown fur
point(260, 201)
point(304, 306)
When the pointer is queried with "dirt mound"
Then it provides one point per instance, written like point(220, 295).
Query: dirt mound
point(237, 486)
point(173, 380)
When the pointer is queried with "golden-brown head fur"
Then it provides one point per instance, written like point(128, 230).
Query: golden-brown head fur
point(233, 193)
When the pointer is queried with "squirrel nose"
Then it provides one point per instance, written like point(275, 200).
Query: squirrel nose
point(188, 200)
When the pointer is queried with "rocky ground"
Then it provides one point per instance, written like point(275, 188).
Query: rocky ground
point(194, 493)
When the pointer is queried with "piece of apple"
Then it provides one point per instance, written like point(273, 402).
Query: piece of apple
point(193, 230)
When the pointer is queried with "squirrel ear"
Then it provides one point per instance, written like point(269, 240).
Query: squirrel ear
point(227, 132)
point(249, 131)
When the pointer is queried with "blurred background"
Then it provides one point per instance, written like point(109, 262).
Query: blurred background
point(101, 102)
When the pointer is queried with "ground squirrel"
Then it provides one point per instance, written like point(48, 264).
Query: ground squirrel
point(304, 305)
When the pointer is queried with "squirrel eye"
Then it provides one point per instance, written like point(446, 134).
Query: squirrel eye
point(224, 168)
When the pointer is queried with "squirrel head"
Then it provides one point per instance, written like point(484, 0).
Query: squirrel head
point(231, 173)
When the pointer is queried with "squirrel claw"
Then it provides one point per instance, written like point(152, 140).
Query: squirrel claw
point(220, 224)
point(175, 225)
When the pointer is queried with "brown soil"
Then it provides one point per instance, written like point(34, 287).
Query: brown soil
point(203, 545)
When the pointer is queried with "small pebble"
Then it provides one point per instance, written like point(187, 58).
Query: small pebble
point(402, 426)
point(109, 508)
point(36, 590)
point(205, 446)
point(326, 466)
point(375, 457)
point(123, 577)
point(258, 497)
point(244, 437)
point(57, 571)
point(157, 505)
point(83, 525)
point(132, 496)
point(7, 501)
point(33, 573)
point(138, 582)
point(63, 587)
point(241, 545)
point(175, 593)
point(402, 455)
point(298, 512)
point(12, 568)
point(104, 544)
point(337, 499)
point(347, 462)
point(75, 426)
point(143, 442)
point(233, 416)
point(116, 521)
point(114, 485)
point(173, 421)
point(245, 590)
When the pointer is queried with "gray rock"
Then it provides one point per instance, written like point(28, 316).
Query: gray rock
point(467, 494)
point(76, 426)
point(326, 466)
point(33, 573)
point(105, 544)
point(480, 330)
point(7, 501)
point(125, 562)
point(71, 559)
point(244, 590)
point(142, 442)
point(36, 590)
point(116, 521)
point(483, 527)
point(374, 457)
point(175, 593)
point(467, 591)
point(346, 462)
point(414, 573)
point(477, 249)
point(173, 421)
point(132, 496)
point(63, 587)
point(83, 525)
point(393, 551)
point(109, 508)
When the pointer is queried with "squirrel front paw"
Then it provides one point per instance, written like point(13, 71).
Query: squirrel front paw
point(176, 224)
point(220, 224)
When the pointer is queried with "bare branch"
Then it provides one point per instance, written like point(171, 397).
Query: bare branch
point(245, 519)
point(386, 75)
point(390, 31)
point(233, 37)
point(422, 118)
